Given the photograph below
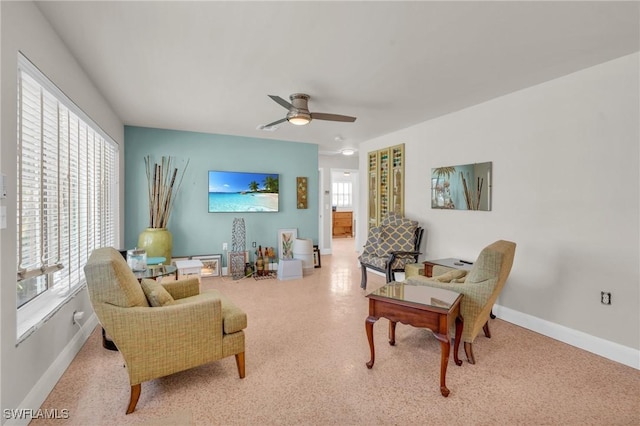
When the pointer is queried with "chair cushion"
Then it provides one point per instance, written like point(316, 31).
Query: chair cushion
point(398, 234)
point(234, 319)
point(373, 260)
point(156, 294)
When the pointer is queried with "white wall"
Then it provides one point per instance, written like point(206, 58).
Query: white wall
point(28, 371)
point(565, 159)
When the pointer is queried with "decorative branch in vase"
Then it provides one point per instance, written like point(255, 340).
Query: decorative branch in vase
point(163, 183)
point(163, 188)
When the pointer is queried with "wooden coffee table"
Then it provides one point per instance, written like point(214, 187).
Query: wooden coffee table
point(419, 306)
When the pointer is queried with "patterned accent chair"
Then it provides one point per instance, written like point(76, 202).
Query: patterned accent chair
point(161, 329)
point(481, 288)
point(390, 246)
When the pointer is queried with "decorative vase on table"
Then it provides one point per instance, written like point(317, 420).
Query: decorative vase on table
point(157, 242)
point(163, 182)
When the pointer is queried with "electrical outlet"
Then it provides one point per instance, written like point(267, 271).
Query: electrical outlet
point(224, 246)
point(253, 244)
point(605, 297)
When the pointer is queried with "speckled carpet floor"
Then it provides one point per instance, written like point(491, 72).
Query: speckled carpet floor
point(306, 350)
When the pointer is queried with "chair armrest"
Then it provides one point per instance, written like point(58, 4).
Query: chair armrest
point(185, 287)
point(476, 295)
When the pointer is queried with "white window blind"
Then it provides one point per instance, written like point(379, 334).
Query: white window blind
point(67, 196)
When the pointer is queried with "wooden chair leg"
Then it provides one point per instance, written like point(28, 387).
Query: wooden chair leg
point(468, 350)
point(135, 395)
point(240, 364)
point(486, 330)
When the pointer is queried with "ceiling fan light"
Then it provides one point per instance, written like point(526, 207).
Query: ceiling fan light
point(299, 121)
point(348, 151)
point(299, 118)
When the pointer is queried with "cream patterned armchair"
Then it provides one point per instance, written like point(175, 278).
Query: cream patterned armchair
point(390, 246)
point(481, 287)
point(161, 329)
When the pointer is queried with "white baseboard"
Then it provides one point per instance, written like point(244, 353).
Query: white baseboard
point(605, 348)
point(39, 393)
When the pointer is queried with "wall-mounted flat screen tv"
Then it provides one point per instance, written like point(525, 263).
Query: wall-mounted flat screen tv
point(233, 192)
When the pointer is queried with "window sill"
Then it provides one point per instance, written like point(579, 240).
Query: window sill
point(34, 314)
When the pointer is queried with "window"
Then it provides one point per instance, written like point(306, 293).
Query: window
point(67, 196)
point(341, 194)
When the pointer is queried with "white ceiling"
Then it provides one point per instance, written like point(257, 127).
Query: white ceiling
point(209, 66)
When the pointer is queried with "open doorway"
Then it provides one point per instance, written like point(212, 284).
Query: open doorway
point(344, 203)
point(336, 169)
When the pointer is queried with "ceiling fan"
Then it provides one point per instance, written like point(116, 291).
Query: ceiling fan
point(299, 111)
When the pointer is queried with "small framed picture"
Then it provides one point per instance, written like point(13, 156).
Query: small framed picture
point(246, 258)
point(286, 238)
point(236, 262)
point(316, 257)
point(211, 264)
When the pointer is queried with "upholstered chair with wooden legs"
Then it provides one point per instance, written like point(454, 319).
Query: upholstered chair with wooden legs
point(481, 287)
point(161, 329)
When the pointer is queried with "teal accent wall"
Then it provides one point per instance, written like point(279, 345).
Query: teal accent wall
point(194, 230)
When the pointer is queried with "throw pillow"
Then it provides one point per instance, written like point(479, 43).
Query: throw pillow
point(391, 219)
point(373, 239)
point(399, 236)
point(156, 294)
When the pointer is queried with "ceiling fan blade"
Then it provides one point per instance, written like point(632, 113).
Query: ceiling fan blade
point(332, 117)
point(275, 122)
point(281, 101)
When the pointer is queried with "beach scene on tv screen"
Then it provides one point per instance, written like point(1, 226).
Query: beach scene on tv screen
point(243, 192)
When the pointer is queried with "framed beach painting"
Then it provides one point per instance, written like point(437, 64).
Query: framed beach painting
point(243, 192)
point(286, 237)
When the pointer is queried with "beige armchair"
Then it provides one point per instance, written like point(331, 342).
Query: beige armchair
point(481, 287)
point(182, 328)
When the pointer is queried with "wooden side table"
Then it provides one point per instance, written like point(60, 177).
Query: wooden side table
point(419, 306)
point(451, 262)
